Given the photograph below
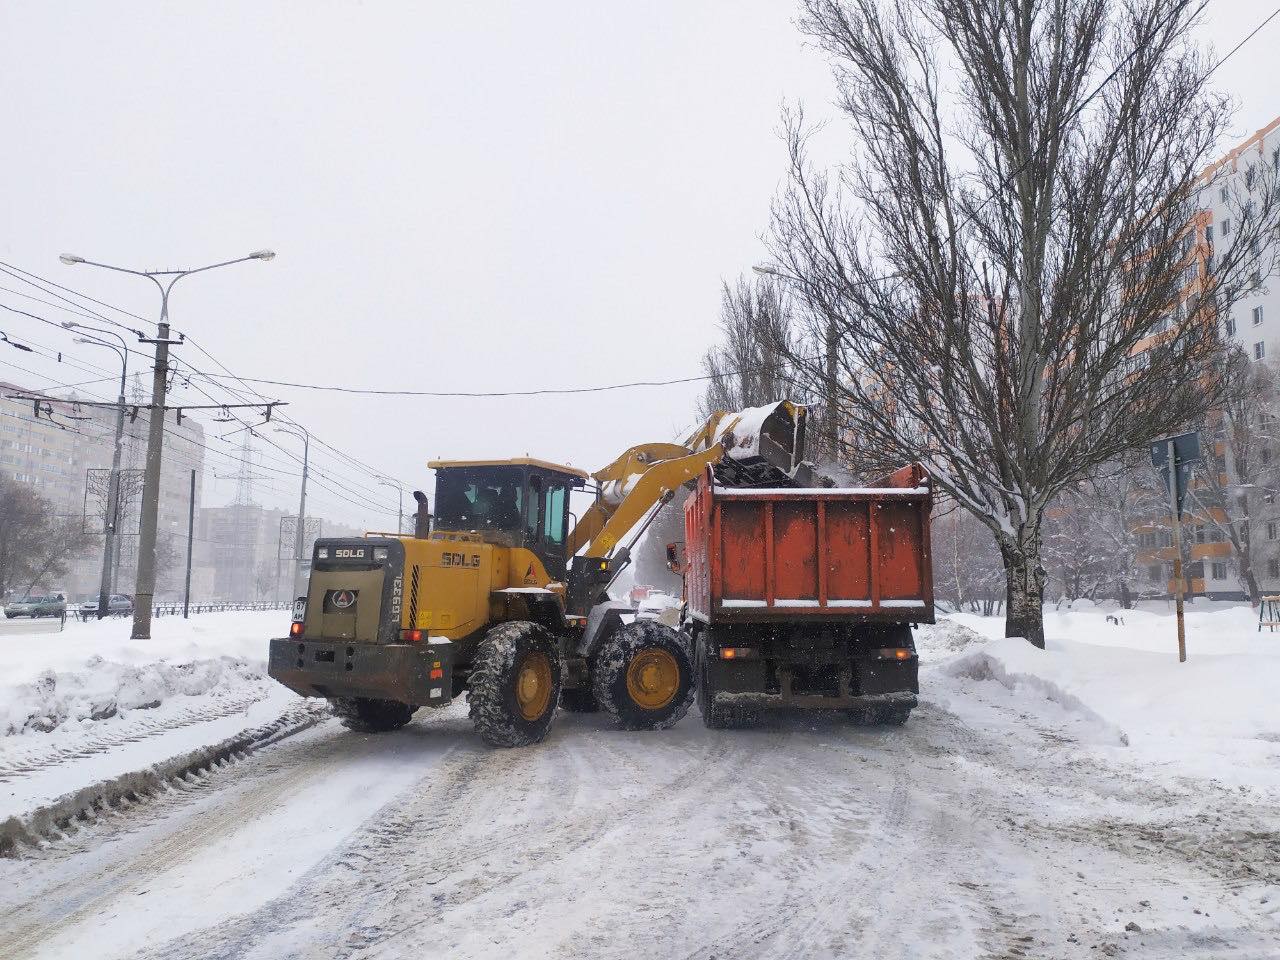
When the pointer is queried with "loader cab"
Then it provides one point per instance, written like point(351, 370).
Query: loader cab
point(513, 503)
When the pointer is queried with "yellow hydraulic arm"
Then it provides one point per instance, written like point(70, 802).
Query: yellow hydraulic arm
point(642, 476)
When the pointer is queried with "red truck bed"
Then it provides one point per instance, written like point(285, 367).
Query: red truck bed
point(763, 555)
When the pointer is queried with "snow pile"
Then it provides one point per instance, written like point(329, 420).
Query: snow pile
point(1023, 669)
point(102, 689)
point(1113, 676)
point(947, 636)
point(94, 671)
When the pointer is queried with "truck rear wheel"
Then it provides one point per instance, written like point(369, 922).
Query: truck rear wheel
point(514, 685)
point(643, 675)
point(368, 715)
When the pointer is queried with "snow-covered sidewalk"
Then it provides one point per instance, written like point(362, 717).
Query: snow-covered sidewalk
point(88, 709)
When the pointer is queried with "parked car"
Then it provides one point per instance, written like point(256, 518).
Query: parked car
point(118, 605)
point(33, 607)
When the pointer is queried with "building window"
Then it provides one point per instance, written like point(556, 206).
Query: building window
point(1265, 454)
point(1195, 570)
point(1208, 234)
point(1257, 316)
point(1231, 327)
point(1271, 530)
point(1259, 350)
point(1219, 571)
point(1226, 228)
point(1223, 196)
point(1255, 280)
point(1273, 569)
point(1156, 572)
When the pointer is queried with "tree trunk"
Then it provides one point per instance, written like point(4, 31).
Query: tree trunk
point(1024, 591)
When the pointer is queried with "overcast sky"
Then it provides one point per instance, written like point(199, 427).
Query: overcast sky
point(462, 197)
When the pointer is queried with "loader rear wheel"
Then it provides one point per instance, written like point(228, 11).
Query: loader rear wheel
point(367, 715)
point(514, 684)
point(643, 675)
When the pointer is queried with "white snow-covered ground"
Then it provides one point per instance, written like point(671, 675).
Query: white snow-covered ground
point(1094, 799)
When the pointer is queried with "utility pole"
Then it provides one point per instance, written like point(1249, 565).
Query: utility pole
point(165, 280)
point(191, 535)
point(300, 533)
point(113, 483)
point(400, 514)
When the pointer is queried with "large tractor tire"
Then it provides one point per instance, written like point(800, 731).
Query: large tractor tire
point(367, 715)
point(514, 685)
point(643, 675)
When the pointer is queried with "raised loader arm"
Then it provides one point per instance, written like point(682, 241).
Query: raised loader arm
point(641, 477)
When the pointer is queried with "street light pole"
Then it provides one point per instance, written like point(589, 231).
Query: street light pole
point(165, 280)
point(400, 514)
point(300, 534)
point(113, 483)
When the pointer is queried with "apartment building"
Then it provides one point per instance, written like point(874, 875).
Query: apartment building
point(55, 451)
point(1254, 324)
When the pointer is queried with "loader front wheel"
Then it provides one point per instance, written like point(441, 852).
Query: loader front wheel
point(368, 715)
point(643, 675)
point(514, 685)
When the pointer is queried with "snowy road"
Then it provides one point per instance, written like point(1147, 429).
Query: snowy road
point(997, 823)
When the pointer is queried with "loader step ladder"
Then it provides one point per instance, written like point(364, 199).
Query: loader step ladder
point(1269, 613)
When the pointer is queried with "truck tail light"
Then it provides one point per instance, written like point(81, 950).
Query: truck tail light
point(739, 653)
point(894, 653)
point(411, 636)
point(295, 629)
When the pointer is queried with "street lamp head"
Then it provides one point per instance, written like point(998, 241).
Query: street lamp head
point(69, 324)
point(70, 259)
point(17, 346)
point(262, 255)
point(766, 270)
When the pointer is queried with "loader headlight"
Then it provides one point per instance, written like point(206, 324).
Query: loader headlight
point(322, 553)
point(379, 553)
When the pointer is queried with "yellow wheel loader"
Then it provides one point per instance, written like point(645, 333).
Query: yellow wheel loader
point(499, 596)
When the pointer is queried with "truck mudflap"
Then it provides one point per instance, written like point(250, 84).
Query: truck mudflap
point(863, 683)
point(414, 673)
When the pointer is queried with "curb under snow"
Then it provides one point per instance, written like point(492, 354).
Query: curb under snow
point(54, 818)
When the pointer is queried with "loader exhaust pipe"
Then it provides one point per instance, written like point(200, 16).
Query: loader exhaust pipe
point(422, 519)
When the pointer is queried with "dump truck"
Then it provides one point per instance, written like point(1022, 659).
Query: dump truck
point(497, 595)
point(805, 597)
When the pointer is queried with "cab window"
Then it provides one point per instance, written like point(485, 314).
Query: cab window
point(534, 517)
point(490, 498)
point(553, 515)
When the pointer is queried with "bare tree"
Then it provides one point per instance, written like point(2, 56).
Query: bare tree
point(749, 367)
point(1012, 258)
point(35, 543)
point(1091, 530)
point(967, 571)
point(1236, 481)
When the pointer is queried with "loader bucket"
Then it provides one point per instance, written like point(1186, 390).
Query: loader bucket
point(773, 433)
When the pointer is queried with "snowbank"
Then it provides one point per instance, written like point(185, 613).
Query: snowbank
point(1121, 683)
point(102, 689)
point(94, 671)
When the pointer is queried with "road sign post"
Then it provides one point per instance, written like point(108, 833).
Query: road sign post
point(1173, 458)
